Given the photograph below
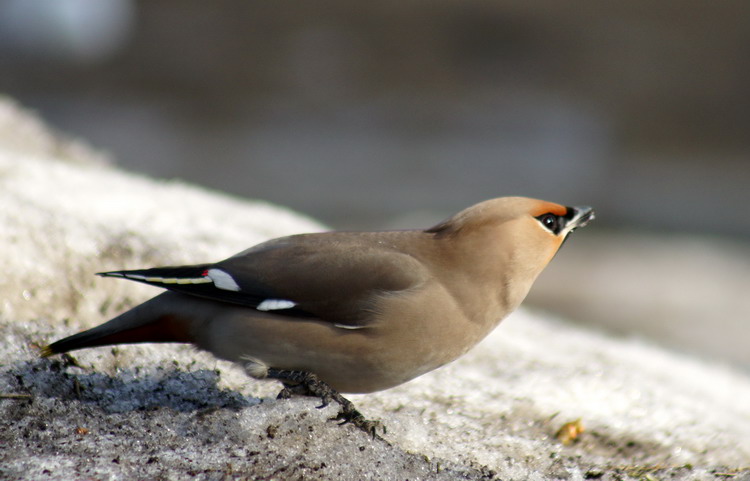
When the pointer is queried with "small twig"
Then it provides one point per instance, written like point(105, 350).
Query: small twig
point(14, 396)
point(77, 387)
point(71, 361)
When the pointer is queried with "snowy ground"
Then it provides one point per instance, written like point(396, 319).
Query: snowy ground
point(169, 412)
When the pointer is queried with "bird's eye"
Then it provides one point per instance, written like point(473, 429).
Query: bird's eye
point(550, 221)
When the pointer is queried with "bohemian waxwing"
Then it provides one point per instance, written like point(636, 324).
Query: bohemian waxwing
point(350, 311)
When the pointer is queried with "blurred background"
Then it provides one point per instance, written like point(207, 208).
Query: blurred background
point(394, 114)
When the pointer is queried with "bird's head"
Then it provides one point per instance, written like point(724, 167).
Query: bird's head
point(518, 232)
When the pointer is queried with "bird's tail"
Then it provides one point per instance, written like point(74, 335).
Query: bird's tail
point(143, 323)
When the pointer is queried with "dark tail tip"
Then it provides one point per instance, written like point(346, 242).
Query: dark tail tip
point(162, 329)
point(48, 351)
point(62, 346)
point(111, 274)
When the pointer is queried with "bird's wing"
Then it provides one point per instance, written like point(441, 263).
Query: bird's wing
point(310, 276)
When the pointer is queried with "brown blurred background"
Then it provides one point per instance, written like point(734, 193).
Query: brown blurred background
point(393, 114)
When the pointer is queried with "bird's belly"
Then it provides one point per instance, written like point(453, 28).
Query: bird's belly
point(354, 361)
point(403, 342)
point(412, 343)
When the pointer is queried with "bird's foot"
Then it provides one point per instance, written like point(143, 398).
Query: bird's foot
point(356, 418)
point(292, 389)
point(307, 384)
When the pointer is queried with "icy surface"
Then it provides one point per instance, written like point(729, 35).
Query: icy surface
point(170, 412)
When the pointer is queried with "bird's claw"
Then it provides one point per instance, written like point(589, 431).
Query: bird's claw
point(308, 384)
point(356, 418)
point(285, 393)
point(324, 401)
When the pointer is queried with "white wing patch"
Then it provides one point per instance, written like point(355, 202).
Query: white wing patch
point(344, 326)
point(275, 305)
point(222, 280)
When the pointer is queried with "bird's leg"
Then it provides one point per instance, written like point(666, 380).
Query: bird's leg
point(307, 384)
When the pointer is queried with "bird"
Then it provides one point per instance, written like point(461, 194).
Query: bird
point(349, 312)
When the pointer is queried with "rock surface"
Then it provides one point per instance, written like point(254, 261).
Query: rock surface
point(169, 412)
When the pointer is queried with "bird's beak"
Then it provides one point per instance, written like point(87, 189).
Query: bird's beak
point(582, 215)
